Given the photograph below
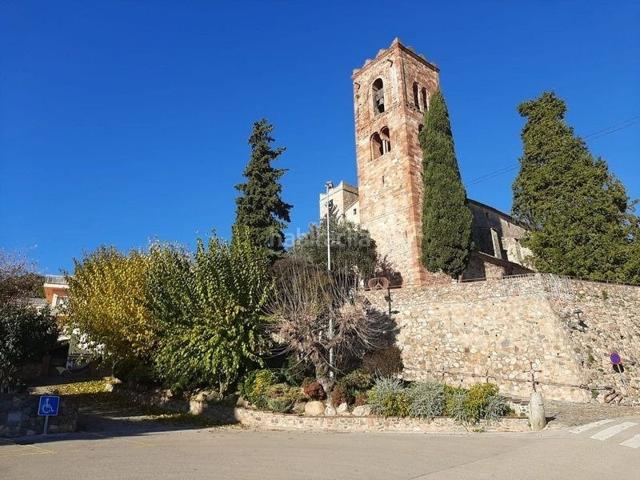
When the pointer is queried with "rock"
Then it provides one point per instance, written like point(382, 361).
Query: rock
point(330, 411)
point(196, 407)
point(343, 409)
point(298, 408)
point(362, 411)
point(200, 397)
point(314, 408)
point(537, 418)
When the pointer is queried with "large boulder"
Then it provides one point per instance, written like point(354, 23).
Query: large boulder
point(314, 408)
point(197, 407)
point(330, 411)
point(362, 411)
point(343, 409)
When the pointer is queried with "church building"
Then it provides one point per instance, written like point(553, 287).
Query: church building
point(390, 96)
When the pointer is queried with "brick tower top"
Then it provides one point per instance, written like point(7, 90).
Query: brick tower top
point(391, 93)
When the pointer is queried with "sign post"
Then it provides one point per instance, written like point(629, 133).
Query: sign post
point(48, 407)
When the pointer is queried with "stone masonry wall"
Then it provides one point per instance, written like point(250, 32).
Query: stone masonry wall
point(497, 329)
point(19, 416)
point(600, 319)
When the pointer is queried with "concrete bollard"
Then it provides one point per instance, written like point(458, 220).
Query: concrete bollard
point(537, 418)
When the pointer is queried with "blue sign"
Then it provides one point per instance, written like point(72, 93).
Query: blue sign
point(615, 358)
point(48, 406)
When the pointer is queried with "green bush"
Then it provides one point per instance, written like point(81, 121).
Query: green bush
point(455, 400)
point(389, 398)
point(484, 403)
point(281, 397)
point(135, 372)
point(496, 408)
point(384, 362)
point(361, 399)
point(255, 386)
point(25, 336)
point(209, 309)
point(480, 402)
point(427, 399)
point(349, 386)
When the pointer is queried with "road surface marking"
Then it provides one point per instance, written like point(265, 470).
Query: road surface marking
point(611, 431)
point(589, 426)
point(633, 442)
point(18, 450)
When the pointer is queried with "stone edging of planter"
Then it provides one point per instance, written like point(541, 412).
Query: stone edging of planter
point(283, 421)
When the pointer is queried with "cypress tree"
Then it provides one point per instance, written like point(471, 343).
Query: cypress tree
point(575, 207)
point(260, 209)
point(446, 218)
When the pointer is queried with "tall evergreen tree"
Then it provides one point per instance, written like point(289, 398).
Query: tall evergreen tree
point(260, 208)
point(446, 218)
point(577, 210)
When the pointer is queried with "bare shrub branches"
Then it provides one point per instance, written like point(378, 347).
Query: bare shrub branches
point(307, 299)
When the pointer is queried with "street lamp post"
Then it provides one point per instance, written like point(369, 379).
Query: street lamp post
point(329, 186)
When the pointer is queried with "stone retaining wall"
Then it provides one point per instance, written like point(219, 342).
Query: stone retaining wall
point(19, 416)
point(280, 421)
point(496, 330)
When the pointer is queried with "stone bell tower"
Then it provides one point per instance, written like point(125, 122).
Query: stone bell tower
point(391, 94)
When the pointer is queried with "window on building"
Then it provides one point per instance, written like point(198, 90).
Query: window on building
point(386, 140)
point(378, 96)
point(376, 145)
point(425, 99)
point(416, 99)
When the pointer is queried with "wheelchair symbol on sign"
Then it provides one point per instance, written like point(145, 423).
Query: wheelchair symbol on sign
point(48, 405)
point(47, 408)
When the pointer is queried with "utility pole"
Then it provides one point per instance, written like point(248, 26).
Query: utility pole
point(329, 186)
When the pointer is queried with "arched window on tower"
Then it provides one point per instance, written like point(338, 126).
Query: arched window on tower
point(376, 145)
point(378, 96)
point(386, 140)
point(416, 98)
point(425, 99)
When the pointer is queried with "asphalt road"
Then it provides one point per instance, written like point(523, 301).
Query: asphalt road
point(233, 453)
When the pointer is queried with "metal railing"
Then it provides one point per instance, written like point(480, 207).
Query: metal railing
point(55, 279)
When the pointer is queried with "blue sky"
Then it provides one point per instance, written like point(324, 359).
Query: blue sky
point(122, 122)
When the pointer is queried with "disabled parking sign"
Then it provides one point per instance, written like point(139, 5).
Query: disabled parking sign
point(48, 406)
